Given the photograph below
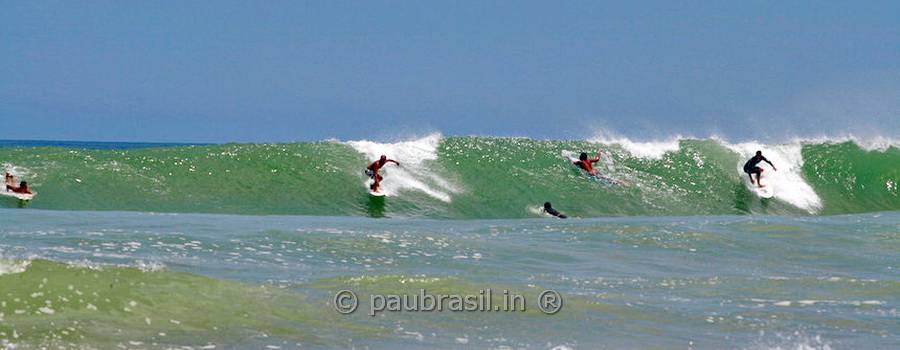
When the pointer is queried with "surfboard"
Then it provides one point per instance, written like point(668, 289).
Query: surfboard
point(767, 191)
point(376, 193)
point(572, 157)
point(20, 196)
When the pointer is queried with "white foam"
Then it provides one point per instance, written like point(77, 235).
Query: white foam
point(536, 210)
point(788, 180)
point(414, 173)
point(790, 341)
point(642, 149)
point(13, 266)
point(17, 171)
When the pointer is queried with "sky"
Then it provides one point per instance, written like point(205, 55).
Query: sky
point(267, 71)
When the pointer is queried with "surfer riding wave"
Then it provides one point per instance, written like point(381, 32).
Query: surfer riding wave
point(750, 167)
point(372, 171)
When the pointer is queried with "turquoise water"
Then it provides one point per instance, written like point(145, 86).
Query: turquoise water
point(145, 280)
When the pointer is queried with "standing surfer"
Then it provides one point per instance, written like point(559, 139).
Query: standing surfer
point(750, 168)
point(372, 171)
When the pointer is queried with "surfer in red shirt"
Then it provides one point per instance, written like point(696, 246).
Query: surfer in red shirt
point(23, 188)
point(588, 164)
point(372, 171)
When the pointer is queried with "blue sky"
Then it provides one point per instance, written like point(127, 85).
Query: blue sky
point(216, 71)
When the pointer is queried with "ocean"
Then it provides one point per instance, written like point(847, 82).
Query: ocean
point(246, 246)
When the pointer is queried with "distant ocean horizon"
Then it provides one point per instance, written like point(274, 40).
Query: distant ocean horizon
point(97, 145)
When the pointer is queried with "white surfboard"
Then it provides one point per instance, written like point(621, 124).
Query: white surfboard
point(376, 193)
point(767, 191)
point(20, 196)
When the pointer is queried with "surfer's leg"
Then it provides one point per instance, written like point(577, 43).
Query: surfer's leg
point(758, 172)
point(377, 183)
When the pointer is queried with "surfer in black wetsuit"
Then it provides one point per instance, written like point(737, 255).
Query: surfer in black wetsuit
point(548, 208)
point(750, 167)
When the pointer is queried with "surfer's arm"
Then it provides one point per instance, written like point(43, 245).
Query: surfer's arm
point(770, 163)
point(596, 158)
point(394, 161)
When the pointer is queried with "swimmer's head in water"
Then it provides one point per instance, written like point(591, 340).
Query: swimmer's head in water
point(547, 205)
point(582, 156)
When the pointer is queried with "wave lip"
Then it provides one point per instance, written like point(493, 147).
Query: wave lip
point(877, 143)
point(643, 149)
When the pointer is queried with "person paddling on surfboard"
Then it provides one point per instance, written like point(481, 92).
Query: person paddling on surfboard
point(750, 167)
point(548, 208)
point(587, 164)
point(372, 171)
point(23, 188)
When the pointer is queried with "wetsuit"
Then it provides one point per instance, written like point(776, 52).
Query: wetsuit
point(750, 166)
point(555, 213)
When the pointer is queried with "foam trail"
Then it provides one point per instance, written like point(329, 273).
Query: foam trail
point(646, 150)
point(788, 179)
point(414, 173)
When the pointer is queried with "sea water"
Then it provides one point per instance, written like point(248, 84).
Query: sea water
point(246, 246)
point(144, 280)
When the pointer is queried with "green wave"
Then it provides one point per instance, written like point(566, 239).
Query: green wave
point(465, 177)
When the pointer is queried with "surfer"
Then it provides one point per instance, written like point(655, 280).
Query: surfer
point(372, 171)
point(22, 188)
point(587, 164)
point(750, 167)
point(548, 208)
